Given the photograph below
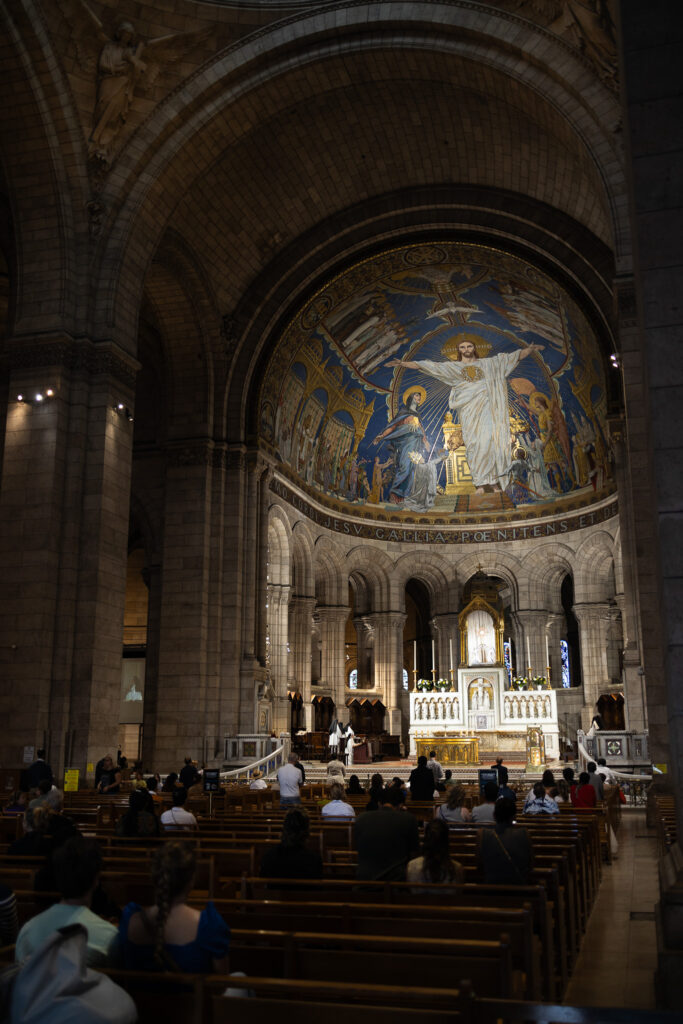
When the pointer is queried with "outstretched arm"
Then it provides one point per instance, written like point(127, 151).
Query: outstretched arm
point(529, 349)
point(403, 362)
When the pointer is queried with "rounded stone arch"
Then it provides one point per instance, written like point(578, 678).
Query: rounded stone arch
point(594, 576)
point(331, 577)
point(546, 568)
point(279, 547)
point(42, 133)
point(496, 562)
point(302, 560)
point(209, 113)
point(436, 574)
point(186, 316)
point(376, 568)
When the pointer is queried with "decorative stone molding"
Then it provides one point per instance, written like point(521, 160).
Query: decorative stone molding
point(94, 358)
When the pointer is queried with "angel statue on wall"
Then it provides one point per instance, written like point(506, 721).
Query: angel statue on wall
point(125, 62)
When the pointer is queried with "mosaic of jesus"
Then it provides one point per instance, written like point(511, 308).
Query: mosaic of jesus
point(436, 381)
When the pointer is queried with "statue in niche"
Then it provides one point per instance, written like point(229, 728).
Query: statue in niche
point(120, 68)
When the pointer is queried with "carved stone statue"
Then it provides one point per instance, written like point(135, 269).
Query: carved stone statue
point(120, 68)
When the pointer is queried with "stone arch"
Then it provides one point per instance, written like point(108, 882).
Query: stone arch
point(199, 115)
point(279, 547)
point(594, 578)
point(376, 567)
point(331, 577)
point(494, 562)
point(302, 560)
point(546, 568)
point(432, 570)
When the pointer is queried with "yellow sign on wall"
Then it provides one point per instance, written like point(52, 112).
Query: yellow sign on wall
point(71, 780)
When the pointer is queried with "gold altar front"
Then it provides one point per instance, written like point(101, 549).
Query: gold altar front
point(450, 749)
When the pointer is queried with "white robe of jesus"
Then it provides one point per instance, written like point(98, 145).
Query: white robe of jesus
point(479, 395)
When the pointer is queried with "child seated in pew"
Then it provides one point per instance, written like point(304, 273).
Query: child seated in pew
point(435, 864)
point(170, 935)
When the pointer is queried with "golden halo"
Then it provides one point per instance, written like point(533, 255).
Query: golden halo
point(450, 349)
point(534, 397)
point(415, 390)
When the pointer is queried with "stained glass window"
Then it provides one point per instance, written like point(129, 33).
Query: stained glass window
point(507, 656)
point(564, 656)
point(353, 679)
point(406, 685)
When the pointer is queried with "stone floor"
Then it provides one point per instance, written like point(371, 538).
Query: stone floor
point(619, 952)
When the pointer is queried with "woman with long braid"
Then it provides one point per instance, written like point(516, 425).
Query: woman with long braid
point(170, 935)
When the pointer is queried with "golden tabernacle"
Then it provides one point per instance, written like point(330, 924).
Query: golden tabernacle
point(450, 749)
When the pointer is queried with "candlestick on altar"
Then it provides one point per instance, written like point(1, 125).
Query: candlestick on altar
point(547, 672)
point(528, 655)
point(414, 655)
point(415, 679)
point(547, 651)
point(450, 654)
point(433, 657)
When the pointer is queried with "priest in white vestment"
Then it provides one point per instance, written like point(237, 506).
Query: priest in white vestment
point(480, 398)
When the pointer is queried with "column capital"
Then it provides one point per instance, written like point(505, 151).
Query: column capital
point(60, 349)
point(587, 610)
point(331, 613)
point(388, 620)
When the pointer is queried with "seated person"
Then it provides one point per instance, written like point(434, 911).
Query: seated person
point(337, 806)
point(44, 788)
point(482, 814)
point(335, 771)
point(171, 935)
point(77, 865)
point(375, 793)
point(171, 782)
point(139, 819)
point(257, 780)
point(292, 858)
point(538, 802)
point(454, 810)
point(387, 839)
point(560, 793)
point(354, 787)
point(504, 852)
point(435, 864)
point(584, 794)
point(17, 803)
point(36, 840)
point(177, 819)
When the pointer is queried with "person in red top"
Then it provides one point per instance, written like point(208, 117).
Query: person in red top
point(584, 794)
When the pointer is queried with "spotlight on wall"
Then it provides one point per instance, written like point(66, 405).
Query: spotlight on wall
point(122, 410)
point(614, 361)
point(37, 397)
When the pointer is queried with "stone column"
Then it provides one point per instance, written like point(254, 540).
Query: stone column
point(332, 623)
point(555, 624)
point(278, 656)
point(153, 581)
point(593, 619)
point(364, 651)
point(64, 511)
point(253, 566)
point(531, 626)
point(388, 664)
point(445, 628)
point(300, 635)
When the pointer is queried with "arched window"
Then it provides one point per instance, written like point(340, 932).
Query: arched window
point(406, 685)
point(353, 679)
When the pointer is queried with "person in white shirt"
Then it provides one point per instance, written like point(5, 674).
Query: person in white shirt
point(177, 819)
point(337, 807)
point(607, 773)
point(348, 739)
point(289, 779)
point(257, 780)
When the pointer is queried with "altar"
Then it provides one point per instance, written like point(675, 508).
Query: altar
point(478, 709)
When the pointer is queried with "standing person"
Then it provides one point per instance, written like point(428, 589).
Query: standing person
point(348, 744)
point(289, 779)
point(479, 395)
point(606, 773)
point(110, 779)
point(334, 738)
point(386, 840)
point(421, 781)
point(435, 768)
point(596, 780)
point(171, 934)
point(38, 771)
point(498, 766)
point(504, 851)
point(188, 774)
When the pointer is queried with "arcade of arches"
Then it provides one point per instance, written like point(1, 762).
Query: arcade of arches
point(341, 316)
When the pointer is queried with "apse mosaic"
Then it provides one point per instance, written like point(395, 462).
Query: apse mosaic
point(439, 381)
